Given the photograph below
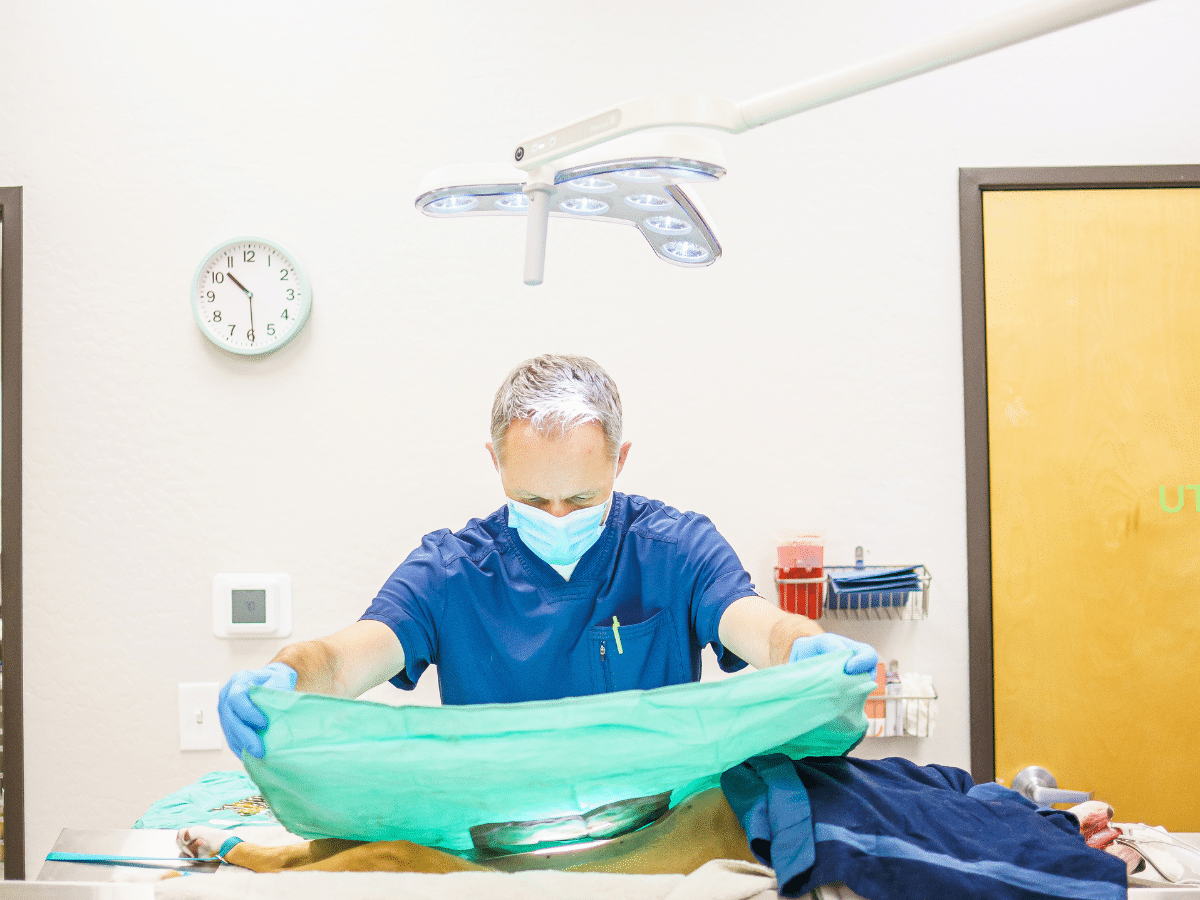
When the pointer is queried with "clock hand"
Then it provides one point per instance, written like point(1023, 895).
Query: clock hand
point(249, 298)
point(233, 278)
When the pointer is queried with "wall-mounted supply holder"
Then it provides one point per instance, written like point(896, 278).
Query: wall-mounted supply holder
point(901, 704)
point(801, 590)
point(901, 715)
point(837, 593)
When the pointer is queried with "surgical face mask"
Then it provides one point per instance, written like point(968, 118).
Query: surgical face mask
point(559, 540)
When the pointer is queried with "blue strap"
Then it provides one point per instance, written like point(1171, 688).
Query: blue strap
point(230, 842)
point(115, 859)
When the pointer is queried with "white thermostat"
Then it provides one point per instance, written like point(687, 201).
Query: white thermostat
point(252, 606)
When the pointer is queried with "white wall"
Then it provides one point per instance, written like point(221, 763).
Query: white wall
point(810, 379)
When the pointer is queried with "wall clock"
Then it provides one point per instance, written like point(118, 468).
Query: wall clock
point(250, 296)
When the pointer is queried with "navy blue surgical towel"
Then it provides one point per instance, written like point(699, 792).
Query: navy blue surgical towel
point(893, 830)
point(871, 586)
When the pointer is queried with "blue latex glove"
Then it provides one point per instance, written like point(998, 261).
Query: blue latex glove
point(241, 720)
point(864, 659)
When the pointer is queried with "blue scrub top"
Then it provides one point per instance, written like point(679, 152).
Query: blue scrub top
point(502, 626)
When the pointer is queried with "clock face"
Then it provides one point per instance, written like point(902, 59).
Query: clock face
point(250, 296)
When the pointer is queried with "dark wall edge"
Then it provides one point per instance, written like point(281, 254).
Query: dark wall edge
point(10, 528)
point(979, 532)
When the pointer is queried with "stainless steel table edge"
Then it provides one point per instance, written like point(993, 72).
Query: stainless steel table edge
point(75, 890)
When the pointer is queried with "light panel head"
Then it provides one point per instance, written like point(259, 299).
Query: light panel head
point(645, 192)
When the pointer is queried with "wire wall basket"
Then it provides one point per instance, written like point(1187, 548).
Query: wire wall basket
point(903, 715)
point(817, 596)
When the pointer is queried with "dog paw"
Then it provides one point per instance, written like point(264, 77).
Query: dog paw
point(199, 841)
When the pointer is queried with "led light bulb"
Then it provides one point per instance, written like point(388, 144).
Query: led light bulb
point(652, 202)
point(584, 206)
point(455, 203)
point(512, 203)
point(593, 185)
point(685, 251)
point(668, 225)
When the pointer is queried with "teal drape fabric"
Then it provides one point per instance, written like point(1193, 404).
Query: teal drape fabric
point(367, 771)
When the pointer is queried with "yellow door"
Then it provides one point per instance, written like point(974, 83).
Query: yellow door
point(1093, 381)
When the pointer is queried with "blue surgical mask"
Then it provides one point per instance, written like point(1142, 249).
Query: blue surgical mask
point(559, 540)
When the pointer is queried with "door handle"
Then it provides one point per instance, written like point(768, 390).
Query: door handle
point(1040, 786)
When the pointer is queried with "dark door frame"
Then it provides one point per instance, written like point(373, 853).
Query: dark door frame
point(10, 532)
point(972, 183)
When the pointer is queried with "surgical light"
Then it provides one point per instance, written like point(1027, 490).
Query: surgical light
point(602, 191)
point(551, 190)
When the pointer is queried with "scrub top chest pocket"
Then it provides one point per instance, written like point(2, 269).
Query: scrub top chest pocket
point(636, 655)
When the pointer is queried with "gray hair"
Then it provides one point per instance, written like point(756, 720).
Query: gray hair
point(557, 393)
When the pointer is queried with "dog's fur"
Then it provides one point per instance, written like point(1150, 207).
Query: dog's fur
point(696, 831)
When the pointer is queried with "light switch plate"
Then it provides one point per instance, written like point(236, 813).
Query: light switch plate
point(199, 725)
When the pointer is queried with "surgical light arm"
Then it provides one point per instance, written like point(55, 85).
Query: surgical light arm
point(999, 31)
point(678, 232)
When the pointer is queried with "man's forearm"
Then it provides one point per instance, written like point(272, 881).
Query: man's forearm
point(761, 633)
point(784, 634)
point(346, 663)
point(315, 667)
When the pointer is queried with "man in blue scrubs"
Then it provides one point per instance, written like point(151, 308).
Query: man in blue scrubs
point(569, 589)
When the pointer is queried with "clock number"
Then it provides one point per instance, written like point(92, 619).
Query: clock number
point(291, 294)
point(271, 329)
point(216, 315)
point(247, 256)
point(218, 277)
point(250, 335)
point(211, 296)
point(283, 275)
point(284, 315)
point(229, 262)
point(231, 330)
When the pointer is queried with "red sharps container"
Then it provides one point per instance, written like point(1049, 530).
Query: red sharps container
point(800, 574)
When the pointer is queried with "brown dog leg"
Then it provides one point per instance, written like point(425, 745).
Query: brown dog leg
point(258, 858)
point(390, 856)
point(202, 842)
point(326, 855)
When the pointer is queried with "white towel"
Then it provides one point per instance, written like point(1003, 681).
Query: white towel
point(1169, 860)
point(920, 716)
